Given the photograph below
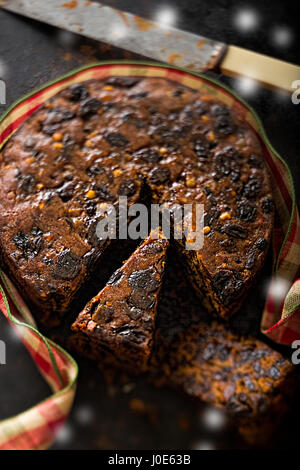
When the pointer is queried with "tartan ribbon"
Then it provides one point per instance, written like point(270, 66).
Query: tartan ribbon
point(37, 427)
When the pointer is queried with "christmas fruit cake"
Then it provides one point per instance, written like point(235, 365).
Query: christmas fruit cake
point(240, 374)
point(119, 322)
point(224, 364)
point(101, 139)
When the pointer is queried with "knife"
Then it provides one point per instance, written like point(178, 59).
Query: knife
point(156, 41)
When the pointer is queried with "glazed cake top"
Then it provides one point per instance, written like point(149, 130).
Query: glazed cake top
point(98, 140)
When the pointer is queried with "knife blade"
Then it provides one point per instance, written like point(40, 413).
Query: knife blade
point(150, 39)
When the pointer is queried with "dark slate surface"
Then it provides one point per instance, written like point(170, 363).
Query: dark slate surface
point(32, 54)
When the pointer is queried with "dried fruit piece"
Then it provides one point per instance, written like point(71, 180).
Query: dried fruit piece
point(152, 248)
point(219, 110)
point(211, 216)
point(239, 404)
point(88, 107)
point(201, 149)
point(190, 182)
point(225, 215)
point(78, 92)
point(27, 184)
point(30, 244)
point(141, 300)
point(139, 94)
point(57, 136)
point(206, 230)
point(91, 194)
point(159, 175)
point(226, 164)
point(115, 278)
point(49, 130)
point(246, 211)
point(235, 231)
point(226, 286)
point(150, 155)
point(251, 258)
point(267, 205)
point(163, 134)
point(224, 125)
point(261, 244)
point(200, 107)
point(144, 279)
point(127, 188)
point(29, 143)
point(255, 161)
point(67, 266)
point(66, 191)
point(95, 170)
point(116, 139)
point(57, 145)
point(58, 115)
point(90, 207)
point(252, 188)
point(103, 192)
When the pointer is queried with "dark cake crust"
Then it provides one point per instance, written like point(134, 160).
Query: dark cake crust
point(97, 140)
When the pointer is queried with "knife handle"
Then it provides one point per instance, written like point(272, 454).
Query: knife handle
point(271, 73)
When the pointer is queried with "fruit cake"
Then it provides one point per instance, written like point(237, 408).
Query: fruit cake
point(243, 376)
point(100, 139)
point(227, 365)
point(121, 319)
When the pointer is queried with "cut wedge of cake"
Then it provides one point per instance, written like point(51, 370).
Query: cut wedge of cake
point(119, 322)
